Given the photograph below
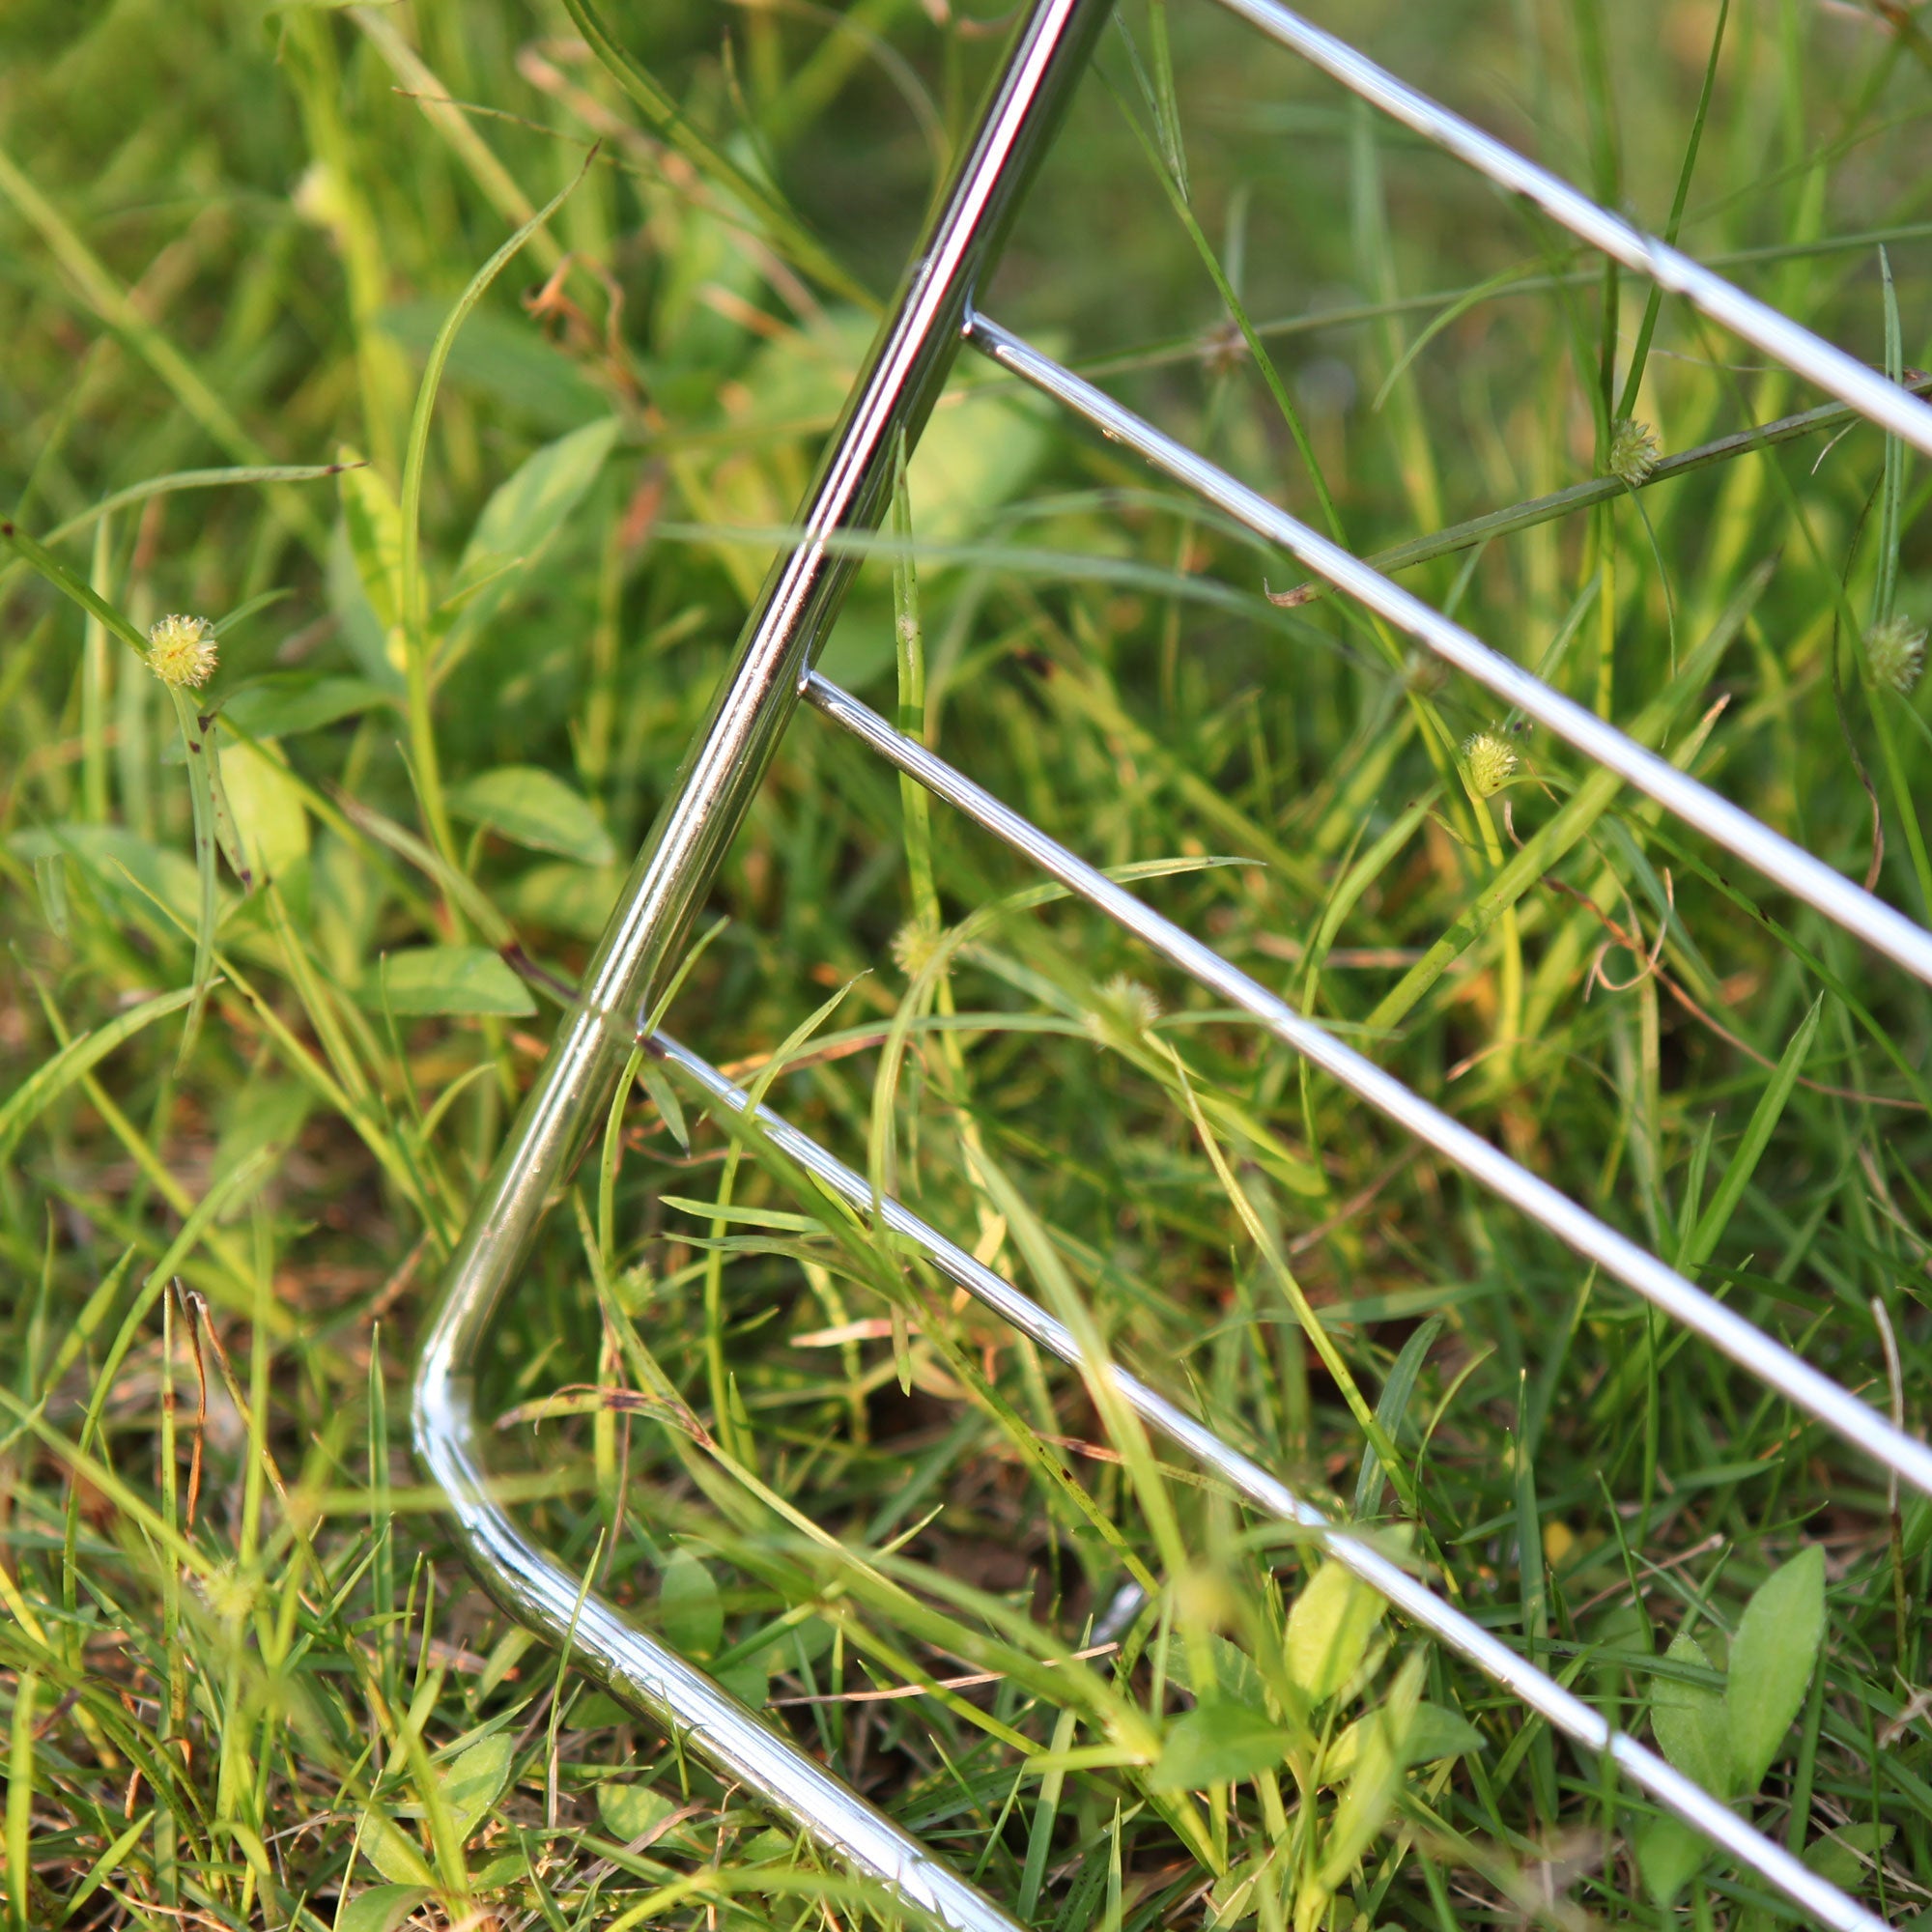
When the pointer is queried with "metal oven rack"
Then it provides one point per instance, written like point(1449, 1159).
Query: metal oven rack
point(931, 318)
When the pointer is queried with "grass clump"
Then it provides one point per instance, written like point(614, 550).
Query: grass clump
point(458, 363)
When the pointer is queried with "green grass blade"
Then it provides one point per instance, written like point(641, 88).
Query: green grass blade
point(413, 615)
point(1711, 1222)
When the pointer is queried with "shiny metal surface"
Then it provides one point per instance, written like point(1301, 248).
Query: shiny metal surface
point(1781, 861)
point(900, 380)
point(1565, 1712)
point(902, 377)
point(540, 1594)
point(1756, 322)
point(1637, 1268)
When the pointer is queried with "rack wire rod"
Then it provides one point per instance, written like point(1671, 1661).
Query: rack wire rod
point(1746, 1345)
point(1802, 874)
point(650, 1676)
point(751, 711)
point(1758, 322)
point(1564, 1711)
point(917, 343)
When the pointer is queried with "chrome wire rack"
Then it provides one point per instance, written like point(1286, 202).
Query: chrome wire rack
point(931, 317)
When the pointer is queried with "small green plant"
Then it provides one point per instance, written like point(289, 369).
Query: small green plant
point(1290, 1712)
point(1727, 1740)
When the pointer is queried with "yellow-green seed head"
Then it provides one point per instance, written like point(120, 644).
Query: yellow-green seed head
point(914, 945)
point(1124, 1009)
point(1896, 654)
point(1632, 450)
point(1491, 761)
point(229, 1594)
point(180, 650)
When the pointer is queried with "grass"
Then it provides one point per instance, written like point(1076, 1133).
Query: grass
point(465, 629)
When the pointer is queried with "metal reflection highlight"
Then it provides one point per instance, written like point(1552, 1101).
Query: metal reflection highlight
point(903, 375)
point(1782, 863)
point(1637, 1267)
point(1564, 1711)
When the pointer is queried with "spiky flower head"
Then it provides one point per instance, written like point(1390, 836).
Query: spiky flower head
point(1490, 760)
point(1896, 654)
point(180, 650)
point(1632, 450)
point(229, 1594)
point(1124, 1009)
point(914, 945)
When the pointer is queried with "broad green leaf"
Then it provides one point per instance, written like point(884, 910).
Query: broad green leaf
point(1435, 1734)
point(1669, 1853)
point(456, 885)
point(1918, 1515)
point(1216, 1743)
point(60, 1071)
point(1836, 1857)
point(129, 871)
point(561, 898)
point(505, 1868)
point(536, 809)
point(630, 1810)
point(1232, 1902)
point(360, 627)
point(689, 1607)
point(258, 1113)
point(1689, 1721)
point(269, 816)
point(597, 1710)
point(1238, 1679)
point(292, 702)
point(1772, 1660)
point(807, 1643)
point(1372, 1790)
point(374, 521)
point(522, 515)
point(392, 1852)
point(446, 979)
point(750, 1679)
point(473, 1780)
point(410, 601)
point(1438, 1733)
point(382, 1908)
point(769, 1846)
point(977, 452)
point(664, 1096)
point(1328, 1631)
